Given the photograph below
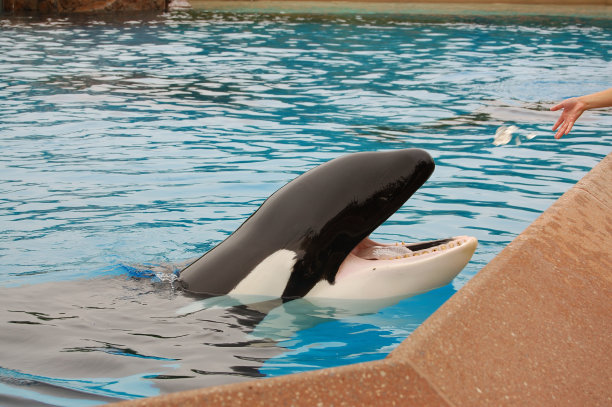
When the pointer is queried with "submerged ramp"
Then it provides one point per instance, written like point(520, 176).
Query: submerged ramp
point(532, 328)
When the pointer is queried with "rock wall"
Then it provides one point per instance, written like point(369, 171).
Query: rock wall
point(77, 6)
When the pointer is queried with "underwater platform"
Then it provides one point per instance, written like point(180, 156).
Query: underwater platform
point(532, 328)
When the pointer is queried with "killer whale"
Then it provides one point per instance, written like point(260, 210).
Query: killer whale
point(310, 238)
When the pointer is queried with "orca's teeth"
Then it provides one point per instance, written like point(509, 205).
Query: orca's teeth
point(431, 250)
point(398, 251)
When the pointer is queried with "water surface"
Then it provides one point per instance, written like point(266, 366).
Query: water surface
point(143, 141)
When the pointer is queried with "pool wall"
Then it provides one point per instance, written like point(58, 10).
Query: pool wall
point(532, 328)
point(77, 6)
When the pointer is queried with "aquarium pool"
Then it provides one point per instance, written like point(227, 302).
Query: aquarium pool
point(132, 145)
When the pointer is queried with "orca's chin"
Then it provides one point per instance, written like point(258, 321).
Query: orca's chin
point(371, 256)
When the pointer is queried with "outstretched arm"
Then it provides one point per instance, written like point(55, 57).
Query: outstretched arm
point(574, 107)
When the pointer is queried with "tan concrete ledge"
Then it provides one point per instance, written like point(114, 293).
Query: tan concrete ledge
point(532, 328)
point(568, 8)
point(583, 8)
point(378, 383)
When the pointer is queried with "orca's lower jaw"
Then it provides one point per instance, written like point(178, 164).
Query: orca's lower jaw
point(376, 270)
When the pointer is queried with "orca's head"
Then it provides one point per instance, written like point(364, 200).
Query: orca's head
point(310, 238)
point(341, 203)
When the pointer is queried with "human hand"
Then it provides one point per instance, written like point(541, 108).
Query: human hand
point(572, 109)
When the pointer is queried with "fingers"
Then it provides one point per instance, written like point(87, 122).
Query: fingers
point(559, 133)
point(565, 128)
point(572, 109)
point(559, 121)
point(557, 107)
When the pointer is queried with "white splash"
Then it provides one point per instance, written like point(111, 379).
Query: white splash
point(504, 134)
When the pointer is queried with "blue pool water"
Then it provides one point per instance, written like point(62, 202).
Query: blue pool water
point(135, 144)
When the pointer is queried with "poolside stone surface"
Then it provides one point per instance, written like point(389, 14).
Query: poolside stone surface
point(538, 7)
point(75, 6)
point(381, 383)
point(532, 328)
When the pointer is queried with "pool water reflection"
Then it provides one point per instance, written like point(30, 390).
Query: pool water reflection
point(145, 140)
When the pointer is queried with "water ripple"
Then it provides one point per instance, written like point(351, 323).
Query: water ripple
point(149, 139)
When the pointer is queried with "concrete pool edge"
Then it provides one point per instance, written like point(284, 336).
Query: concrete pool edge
point(562, 8)
point(531, 328)
point(567, 8)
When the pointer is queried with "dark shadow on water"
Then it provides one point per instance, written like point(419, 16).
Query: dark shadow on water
point(119, 338)
point(93, 341)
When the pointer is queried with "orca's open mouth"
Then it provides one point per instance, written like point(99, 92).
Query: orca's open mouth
point(444, 254)
point(368, 249)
